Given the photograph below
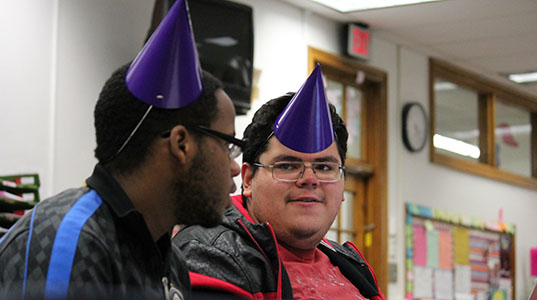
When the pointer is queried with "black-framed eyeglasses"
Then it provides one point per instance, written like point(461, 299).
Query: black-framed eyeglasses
point(235, 145)
point(292, 171)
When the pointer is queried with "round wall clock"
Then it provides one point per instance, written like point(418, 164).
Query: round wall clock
point(414, 126)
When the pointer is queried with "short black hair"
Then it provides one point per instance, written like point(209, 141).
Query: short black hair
point(118, 111)
point(257, 132)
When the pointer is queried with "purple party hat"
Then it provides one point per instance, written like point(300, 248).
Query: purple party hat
point(166, 73)
point(305, 124)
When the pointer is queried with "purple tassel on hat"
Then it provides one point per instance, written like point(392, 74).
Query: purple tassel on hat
point(305, 124)
point(167, 73)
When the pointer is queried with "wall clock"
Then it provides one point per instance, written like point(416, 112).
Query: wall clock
point(415, 126)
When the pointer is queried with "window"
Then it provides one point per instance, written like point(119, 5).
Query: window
point(348, 102)
point(456, 129)
point(481, 126)
point(513, 139)
point(343, 228)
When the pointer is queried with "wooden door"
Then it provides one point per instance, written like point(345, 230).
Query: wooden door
point(359, 93)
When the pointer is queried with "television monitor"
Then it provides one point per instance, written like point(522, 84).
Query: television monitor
point(223, 31)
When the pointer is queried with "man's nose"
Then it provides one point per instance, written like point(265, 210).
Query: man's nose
point(235, 168)
point(308, 177)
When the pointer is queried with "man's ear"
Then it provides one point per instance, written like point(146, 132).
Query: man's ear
point(247, 177)
point(182, 144)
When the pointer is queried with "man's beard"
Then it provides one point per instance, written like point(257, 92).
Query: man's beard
point(198, 199)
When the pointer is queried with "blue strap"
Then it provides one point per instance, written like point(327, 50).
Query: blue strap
point(5, 235)
point(65, 244)
point(27, 252)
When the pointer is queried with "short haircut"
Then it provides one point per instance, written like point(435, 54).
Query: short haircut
point(118, 111)
point(258, 131)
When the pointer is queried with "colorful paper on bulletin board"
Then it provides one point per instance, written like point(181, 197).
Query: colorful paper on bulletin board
point(533, 261)
point(412, 208)
point(464, 297)
point(445, 249)
point(423, 282)
point(443, 283)
point(506, 285)
point(461, 243)
point(499, 295)
point(463, 280)
point(409, 236)
point(432, 248)
point(425, 211)
point(420, 245)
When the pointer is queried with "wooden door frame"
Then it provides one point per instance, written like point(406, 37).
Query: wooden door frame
point(375, 162)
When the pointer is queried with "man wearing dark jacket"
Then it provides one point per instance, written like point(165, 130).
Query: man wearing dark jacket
point(165, 148)
point(271, 243)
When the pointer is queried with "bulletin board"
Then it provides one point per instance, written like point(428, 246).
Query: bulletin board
point(455, 257)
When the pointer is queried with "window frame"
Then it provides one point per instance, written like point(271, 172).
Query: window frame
point(488, 90)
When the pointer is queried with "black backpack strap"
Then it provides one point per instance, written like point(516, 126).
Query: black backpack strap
point(357, 273)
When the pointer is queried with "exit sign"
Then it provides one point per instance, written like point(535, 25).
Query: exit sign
point(358, 41)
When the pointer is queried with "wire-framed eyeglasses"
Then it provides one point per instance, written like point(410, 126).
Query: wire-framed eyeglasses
point(292, 171)
point(235, 145)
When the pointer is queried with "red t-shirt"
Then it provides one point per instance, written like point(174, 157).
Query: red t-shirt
point(313, 276)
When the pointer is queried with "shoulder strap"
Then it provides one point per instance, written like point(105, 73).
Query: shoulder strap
point(65, 244)
point(27, 251)
point(357, 273)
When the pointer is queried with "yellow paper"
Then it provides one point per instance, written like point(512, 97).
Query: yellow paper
point(368, 239)
point(461, 246)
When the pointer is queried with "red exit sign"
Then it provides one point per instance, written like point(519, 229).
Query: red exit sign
point(358, 41)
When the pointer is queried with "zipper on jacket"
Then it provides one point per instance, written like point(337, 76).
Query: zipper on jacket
point(166, 287)
point(279, 274)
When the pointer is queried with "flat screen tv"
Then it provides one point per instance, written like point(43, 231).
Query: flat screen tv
point(225, 41)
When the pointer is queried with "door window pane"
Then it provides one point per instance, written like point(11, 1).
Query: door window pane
point(345, 228)
point(353, 119)
point(456, 121)
point(334, 93)
point(513, 139)
point(346, 211)
point(332, 235)
point(346, 237)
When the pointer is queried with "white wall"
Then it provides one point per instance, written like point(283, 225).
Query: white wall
point(282, 34)
point(94, 38)
point(54, 58)
point(56, 55)
point(26, 69)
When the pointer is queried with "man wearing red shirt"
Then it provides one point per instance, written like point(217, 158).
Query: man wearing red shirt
point(271, 244)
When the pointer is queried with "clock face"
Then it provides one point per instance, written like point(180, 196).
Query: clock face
point(414, 126)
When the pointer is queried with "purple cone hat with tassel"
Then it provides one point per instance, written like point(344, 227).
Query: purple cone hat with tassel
point(166, 73)
point(305, 124)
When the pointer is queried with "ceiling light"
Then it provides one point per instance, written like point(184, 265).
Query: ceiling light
point(345, 6)
point(523, 77)
point(444, 86)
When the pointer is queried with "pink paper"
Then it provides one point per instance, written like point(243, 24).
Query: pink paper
point(420, 245)
point(533, 261)
point(445, 249)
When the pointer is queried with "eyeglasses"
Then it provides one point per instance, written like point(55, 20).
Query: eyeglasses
point(292, 171)
point(235, 145)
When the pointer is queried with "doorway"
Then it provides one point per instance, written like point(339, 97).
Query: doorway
point(359, 93)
